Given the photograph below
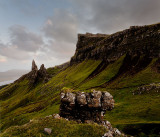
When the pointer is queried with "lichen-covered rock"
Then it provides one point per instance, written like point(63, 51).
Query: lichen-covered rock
point(85, 106)
point(68, 98)
point(107, 101)
point(94, 100)
point(81, 98)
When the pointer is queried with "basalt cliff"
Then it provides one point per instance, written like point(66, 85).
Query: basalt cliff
point(137, 40)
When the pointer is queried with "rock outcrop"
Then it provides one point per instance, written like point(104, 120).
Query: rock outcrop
point(146, 89)
point(142, 40)
point(38, 75)
point(35, 75)
point(32, 76)
point(34, 66)
point(86, 107)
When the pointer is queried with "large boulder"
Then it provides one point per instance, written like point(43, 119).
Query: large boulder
point(85, 106)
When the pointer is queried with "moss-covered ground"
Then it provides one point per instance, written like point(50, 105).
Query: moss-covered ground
point(60, 128)
point(21, 102)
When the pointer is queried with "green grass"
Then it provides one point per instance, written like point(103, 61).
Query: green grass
point(53, 71)
point(20, 102)
point(110, 71)
point(129, 108)
point(146, 76)
point(74, 74)
point(60, 128)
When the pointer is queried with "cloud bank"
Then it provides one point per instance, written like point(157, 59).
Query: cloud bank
point(56, 40)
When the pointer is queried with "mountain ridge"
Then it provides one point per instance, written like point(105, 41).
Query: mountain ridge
point(100, 46)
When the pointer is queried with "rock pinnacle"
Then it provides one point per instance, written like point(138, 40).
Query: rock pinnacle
point(34, 66)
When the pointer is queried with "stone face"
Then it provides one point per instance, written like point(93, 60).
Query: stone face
point(85, 106)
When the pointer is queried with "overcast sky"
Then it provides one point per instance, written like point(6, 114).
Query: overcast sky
point(46, 30)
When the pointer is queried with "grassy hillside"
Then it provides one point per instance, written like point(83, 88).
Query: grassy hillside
point(59, 128)
point(21, 102)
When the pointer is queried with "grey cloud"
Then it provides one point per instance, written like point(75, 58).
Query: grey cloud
point(109, 16)
point(96, 16)
point(60, 49)
point(24, 39)
point(23, 44)
point(13, 52)
point(62, 26)
point(61, 30)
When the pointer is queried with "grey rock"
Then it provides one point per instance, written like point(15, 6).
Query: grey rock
point(34, 66)
point(37, 75)
point(56, 116)
point(107, 101)
point(69, 98)
point(48, 130)
point(81, 99)
point(85, 106)
point(108, 134)
point(116, 132)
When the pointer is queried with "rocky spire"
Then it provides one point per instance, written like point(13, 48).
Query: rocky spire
point(42, 71)
point(34, 66)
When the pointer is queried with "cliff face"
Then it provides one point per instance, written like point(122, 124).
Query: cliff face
point(135, 41)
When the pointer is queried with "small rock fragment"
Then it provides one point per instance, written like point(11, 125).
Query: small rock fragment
point(108, 134)
point(56, 116)
point(48, 130)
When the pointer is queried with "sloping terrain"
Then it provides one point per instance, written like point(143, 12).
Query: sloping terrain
point(60, 126)
point(126, 64)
